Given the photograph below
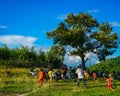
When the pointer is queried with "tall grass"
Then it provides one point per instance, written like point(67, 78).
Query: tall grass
point(18, 81)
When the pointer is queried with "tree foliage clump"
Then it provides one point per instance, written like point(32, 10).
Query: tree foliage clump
point(55, 56)
point(109, 65)
point(28, 57)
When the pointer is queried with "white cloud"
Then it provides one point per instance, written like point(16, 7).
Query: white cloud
point(94, 11)
point(3, 27)
point(73, 59)
point(62, 16)
point(116, 24)
point(92, 58)
point(45, 48)
point(76, 60)
point(17, 40)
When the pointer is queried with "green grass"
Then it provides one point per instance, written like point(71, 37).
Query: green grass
point(17, 82)
point(70, 89)
point(20, 83)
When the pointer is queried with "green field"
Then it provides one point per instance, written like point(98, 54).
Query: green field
point(18, 83)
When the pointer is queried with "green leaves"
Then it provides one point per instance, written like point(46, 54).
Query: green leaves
point(55, 56)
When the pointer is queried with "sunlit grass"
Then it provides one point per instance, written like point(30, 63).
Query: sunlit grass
point(17, 81)
point(70, 89)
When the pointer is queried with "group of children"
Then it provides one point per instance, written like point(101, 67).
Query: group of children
point(51, 75)
point(41, 76)
point(107, 77)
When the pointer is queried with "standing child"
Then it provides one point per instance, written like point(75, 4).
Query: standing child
point(86, 74)
point(50, 75)
point(79, 72)
point(41, 77)
point(53, 76)
point(95, 76)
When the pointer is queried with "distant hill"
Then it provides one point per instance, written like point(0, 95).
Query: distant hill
point(110, 65)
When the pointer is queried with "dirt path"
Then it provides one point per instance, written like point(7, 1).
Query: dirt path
point(32, 91)
point(24, 94)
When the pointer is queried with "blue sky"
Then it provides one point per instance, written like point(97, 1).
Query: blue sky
point(27, 21)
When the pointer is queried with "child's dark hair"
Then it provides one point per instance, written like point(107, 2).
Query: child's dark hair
point(106, 76)
point(41, 69)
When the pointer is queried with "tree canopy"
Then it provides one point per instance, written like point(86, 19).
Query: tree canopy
point(85, 34)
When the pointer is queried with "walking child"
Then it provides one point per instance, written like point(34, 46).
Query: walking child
point(41, 76)
point(50, 75)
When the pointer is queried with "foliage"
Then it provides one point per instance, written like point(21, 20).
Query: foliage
point(4, 53)
point(84, 34)
point(41, 59)
point(55, 56)
point(28, 57)
point(109, 65)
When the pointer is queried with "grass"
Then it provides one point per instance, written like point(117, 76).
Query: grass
point(18, 83)
point(70, 89)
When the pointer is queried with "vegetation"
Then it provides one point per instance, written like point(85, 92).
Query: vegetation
point(84, 34)
point(110, 65)
point(17, 81)
point(70, 89)
point(28, 57)
point(55, 56)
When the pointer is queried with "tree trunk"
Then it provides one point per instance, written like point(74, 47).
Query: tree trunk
point(83, 61)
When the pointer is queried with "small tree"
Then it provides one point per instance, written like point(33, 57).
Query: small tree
point(55, 56)
point(84, 34)
point(41, 60)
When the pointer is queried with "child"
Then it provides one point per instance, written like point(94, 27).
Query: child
point(86, 74)
point(50, 75)
point(95, 76)
point(41, 77)
point(109, 83)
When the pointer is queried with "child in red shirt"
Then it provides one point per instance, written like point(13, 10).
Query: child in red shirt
point(109, 83)
point(95, 76)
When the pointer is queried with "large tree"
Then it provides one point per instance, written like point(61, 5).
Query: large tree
point(84, 34)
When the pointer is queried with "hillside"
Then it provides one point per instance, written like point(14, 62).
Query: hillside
point(109, 65)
